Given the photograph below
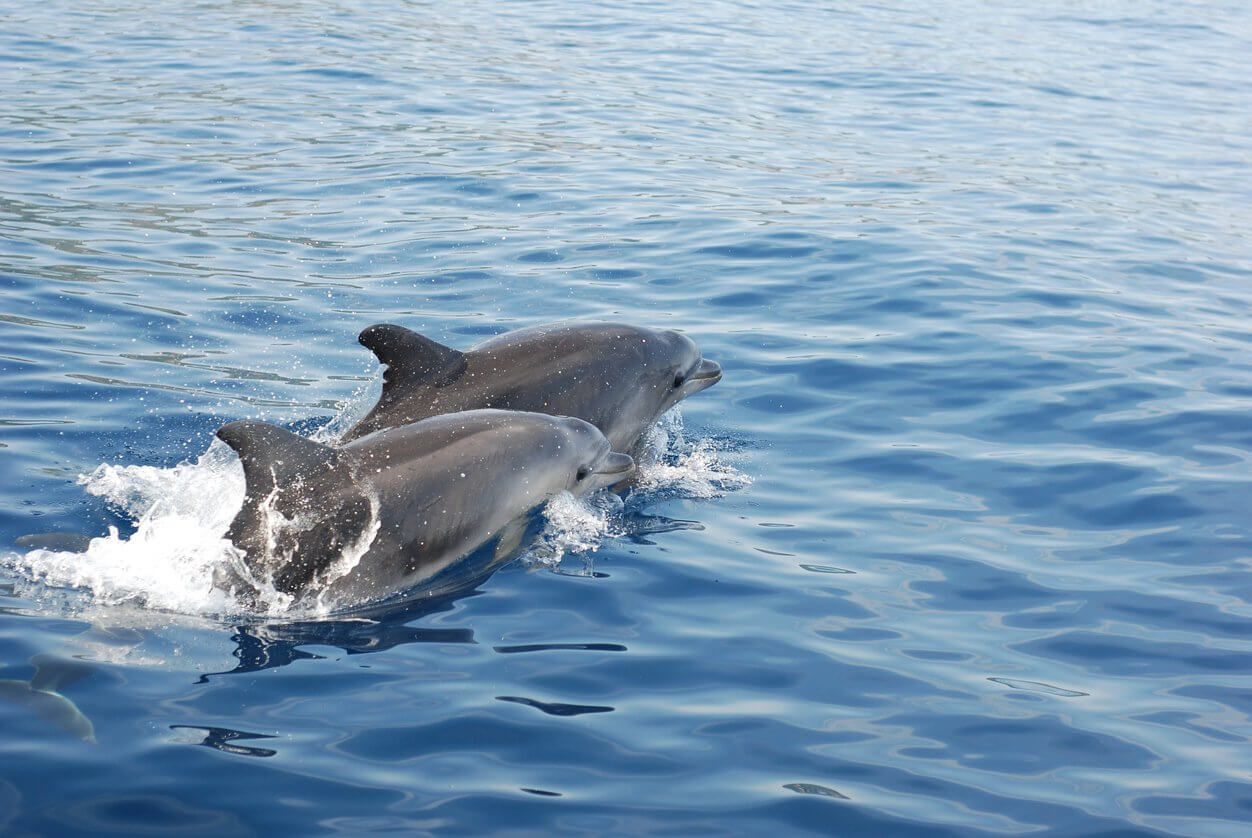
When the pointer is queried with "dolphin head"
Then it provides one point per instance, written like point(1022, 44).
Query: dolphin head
point(686, 372)
point(637, 374)
point(590, 462)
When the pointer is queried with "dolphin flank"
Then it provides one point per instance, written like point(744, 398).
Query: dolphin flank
point(385, 512)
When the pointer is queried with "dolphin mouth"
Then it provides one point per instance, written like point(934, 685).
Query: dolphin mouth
point(706, 374)
point(614, 463)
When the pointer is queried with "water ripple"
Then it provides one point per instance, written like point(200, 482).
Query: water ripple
point(971, 552)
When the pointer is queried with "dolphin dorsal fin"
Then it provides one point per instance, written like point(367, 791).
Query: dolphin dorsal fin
point(52, 672)
point(412, 360)
point(272, 456)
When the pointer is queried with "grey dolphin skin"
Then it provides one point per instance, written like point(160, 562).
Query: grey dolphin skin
point(41, 694)
point(618, 377)
point(407, 501)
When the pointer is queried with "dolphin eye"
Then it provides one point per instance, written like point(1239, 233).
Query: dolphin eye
point(582, 473)
point(678, 380)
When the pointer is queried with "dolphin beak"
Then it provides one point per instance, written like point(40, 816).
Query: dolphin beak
point(705, 375)
point(614, 463)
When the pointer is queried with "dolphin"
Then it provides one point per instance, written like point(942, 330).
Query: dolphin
point(618, 377)
point(42, 694)
point(385, 512)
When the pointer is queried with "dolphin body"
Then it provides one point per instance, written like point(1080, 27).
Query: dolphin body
point(385, 512)
point(41, 695)
point(618, 377)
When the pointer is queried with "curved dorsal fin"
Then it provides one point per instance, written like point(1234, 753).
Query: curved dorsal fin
point(53, 672)
point(274, 457)
point(412, 360)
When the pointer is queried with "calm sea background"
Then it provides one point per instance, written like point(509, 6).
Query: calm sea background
point(959, 546)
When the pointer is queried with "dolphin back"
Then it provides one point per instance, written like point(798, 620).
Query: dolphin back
point(617, 376)
point(412, 360)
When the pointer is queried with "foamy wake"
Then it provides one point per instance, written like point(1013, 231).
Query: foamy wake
point(181, 513)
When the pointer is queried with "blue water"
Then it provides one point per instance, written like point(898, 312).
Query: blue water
point(960, 545)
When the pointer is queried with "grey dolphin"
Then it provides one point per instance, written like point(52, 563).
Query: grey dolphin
point(41, 694)
point(618, 377)
point(385, 512)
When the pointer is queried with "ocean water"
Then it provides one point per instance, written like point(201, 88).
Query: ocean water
point(959, 546)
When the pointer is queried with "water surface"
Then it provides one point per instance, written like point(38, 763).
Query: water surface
point(959, 546)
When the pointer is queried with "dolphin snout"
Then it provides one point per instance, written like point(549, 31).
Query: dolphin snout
point(614, 463)
point(705, 375)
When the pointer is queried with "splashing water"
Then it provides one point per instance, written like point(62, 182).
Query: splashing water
point(181, 514)
point(674, 466)
point(575, 525)
point(669, 466)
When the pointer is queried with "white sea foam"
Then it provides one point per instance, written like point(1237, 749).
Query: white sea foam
point(675, 465)
point(575, 526)
point(180, 514)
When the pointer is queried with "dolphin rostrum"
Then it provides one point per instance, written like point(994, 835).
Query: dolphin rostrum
point(618, 377)
point(385, 512)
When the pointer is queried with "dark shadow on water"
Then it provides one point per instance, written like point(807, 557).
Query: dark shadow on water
point(641, 525)
point(814, 788)
point(221, 739)
point(556, 708)
point(552, 647)
point(262, 645)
